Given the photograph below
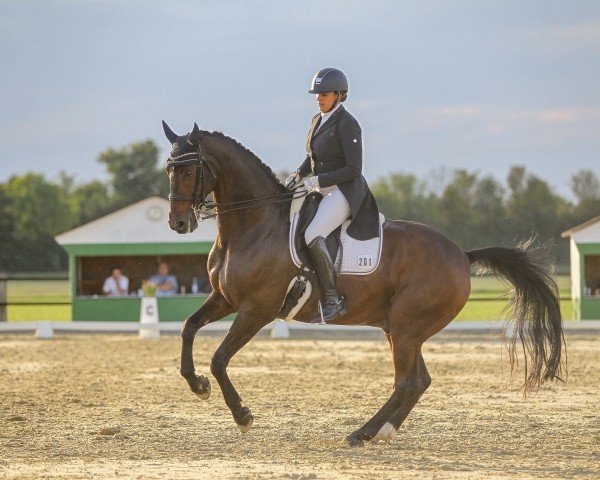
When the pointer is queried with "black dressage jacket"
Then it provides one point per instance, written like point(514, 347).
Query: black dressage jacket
point(334, 154)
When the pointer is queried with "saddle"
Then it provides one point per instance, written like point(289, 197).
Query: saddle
point(307, 212)
point(352, 257)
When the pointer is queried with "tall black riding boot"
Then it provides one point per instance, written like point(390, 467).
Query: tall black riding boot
point(333, 304)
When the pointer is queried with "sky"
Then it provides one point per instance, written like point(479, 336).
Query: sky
point(479, 85)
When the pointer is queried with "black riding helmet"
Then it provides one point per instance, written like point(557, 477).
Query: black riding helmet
point(330, 80)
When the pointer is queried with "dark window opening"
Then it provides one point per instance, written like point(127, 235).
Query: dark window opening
point(92, 271)
point(592, 275)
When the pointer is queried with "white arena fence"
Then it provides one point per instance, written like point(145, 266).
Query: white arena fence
point(278, 329)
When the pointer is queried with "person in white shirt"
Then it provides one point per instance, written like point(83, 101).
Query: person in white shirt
point(117, 285)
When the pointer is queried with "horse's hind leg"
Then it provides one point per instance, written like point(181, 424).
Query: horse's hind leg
point(407, 388)
point(215, 308)
point(421, 380)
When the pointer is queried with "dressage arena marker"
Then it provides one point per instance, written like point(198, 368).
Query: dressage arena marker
point(149, 316)
point(44, 330)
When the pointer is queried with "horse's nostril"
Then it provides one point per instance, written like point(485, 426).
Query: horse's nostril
point(180, 224)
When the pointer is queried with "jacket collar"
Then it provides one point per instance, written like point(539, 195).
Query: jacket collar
point(330, 121)
point(313, 125)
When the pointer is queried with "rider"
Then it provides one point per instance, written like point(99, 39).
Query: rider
point(334, 161)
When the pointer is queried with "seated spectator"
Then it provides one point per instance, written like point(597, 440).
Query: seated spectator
point(165, 284)
point(205, 286)
point(117, 285)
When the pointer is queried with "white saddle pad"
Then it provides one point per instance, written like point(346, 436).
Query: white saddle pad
point(355, 257)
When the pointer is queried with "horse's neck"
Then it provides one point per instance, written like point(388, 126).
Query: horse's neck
point(241, 178)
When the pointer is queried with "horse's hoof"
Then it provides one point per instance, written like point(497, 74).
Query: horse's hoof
point(385, 433)
point(202, 387)
point(354, 440)
point(247, 420)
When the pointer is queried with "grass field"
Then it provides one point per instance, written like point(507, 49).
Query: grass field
point(490, 287)
point(39, 291)
point(58, 291)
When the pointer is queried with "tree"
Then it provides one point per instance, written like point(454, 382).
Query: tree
point(93, 201)
point(586, 188)
point(489, 214)
point(455, 208)
point(38, 210)
point(134, 173)
point(8, 244)
point(516, 180)
point(535, 210)
point(403, 196)
point(39, 206)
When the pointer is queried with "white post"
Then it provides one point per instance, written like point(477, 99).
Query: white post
point(149, 316)
point(280, 330)
point(44, 330)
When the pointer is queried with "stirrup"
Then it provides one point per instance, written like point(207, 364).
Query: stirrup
point(335, 305)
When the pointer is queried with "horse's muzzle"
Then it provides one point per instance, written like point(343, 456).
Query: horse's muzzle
point(183, 223)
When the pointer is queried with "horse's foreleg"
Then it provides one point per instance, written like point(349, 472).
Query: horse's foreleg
point(215, 308)
point(243, 329)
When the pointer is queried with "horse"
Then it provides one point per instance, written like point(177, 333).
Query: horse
point(419, 287)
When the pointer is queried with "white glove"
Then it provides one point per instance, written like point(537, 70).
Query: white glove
point(311, 183)
point(291, 180)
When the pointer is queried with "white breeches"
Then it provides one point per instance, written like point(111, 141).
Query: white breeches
point(332, 212)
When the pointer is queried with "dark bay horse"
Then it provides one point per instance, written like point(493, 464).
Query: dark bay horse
point(421, 284)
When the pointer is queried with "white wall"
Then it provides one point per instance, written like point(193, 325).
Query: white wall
point(142, 222)
point(575, 271)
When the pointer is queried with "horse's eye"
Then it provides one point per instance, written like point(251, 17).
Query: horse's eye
point(188, 173)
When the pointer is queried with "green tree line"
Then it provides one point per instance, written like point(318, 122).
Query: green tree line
point(478, 211)
point(472, 209)
point(33, 209)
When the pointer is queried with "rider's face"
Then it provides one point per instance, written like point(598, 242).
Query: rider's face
point(326, 100)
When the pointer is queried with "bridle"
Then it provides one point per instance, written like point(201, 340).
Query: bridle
point(198, 197)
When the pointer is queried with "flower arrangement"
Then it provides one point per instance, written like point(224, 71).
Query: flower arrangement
point(149, 289)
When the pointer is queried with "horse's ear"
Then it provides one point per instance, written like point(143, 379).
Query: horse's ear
point(194, 137)
point(171, 135)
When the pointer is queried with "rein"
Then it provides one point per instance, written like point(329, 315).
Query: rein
point(197, 198)
point(284, 197)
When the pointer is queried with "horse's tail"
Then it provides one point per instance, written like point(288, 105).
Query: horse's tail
point(534, 309)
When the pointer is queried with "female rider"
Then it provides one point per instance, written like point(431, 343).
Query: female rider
point(334, 163)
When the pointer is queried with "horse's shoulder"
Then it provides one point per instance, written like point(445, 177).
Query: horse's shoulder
point(216, 254)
